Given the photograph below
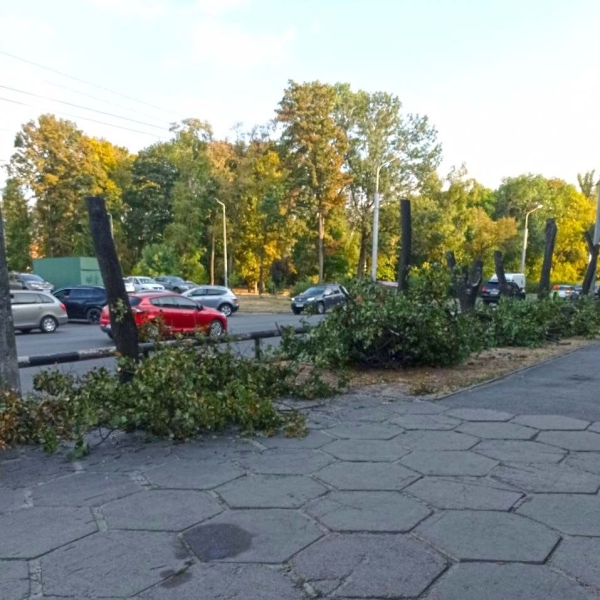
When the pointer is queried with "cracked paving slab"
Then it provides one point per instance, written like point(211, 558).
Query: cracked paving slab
point(367, 476)
point(369, 566)
point(367, 450)
point(542, 478)
point(14, 580)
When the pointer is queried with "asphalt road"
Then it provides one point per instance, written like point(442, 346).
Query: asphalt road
point(81, 336)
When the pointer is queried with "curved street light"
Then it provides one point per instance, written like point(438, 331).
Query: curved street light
point(376, 218)
point(526, 235)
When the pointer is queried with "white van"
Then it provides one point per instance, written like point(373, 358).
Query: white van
point(518, 278)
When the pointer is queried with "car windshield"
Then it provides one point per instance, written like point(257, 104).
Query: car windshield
point(145, 280)
point(492, 284)
point(314, 291)
point(31, 278)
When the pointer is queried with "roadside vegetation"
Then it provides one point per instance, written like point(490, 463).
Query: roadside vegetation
point(179, 392)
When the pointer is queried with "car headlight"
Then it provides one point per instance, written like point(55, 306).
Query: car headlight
point(311, 299)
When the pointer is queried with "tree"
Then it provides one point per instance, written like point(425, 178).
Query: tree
point(485, 235)
point(588, 184)
point(17, 227)
point(314, 146)
point(157, 259)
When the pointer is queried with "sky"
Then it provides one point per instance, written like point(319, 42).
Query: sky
point(512, 86)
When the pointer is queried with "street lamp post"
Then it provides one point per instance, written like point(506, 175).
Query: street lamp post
point(376, 218)
point(224, 241)
point(526, 236)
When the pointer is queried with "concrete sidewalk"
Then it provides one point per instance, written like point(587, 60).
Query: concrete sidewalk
point(387, 497)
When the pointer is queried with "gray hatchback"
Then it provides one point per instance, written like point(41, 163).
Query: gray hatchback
point(215, 296)
point(37, 310)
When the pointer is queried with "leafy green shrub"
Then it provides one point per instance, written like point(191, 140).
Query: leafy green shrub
point(379, 327)
point(176, 393)
point(531, 324)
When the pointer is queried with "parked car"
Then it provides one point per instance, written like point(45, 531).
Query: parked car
point(83, 302)
point(173, 284)
point(146, 284)
point(192, 284)
point(518, 278)
point(129, 287)
point(179, 314)
point(321, 297)
point(563, 291)
point(490, 292)
point(29, 281)
point(215, 296)
point(37, 310)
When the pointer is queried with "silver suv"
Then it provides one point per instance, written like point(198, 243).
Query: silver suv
point(215, 296)
point(37, 310)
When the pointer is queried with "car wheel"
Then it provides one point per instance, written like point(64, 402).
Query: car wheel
point(177, 290)
point(296, 311)
point(48, 325)
point(320, 308)
point(93, 315)
point(226, 309)
point(215, 330)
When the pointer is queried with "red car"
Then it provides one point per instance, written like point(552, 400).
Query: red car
point(179, 314)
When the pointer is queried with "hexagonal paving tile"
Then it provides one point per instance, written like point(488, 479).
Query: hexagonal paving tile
point(127, 458)
point(490, 536)
point(367, 476)
point(365, 431)
point(367, 450)
point(270, 491)
point(14, 580)
point(595, 427)
point(433, 422)
point(551, 422)
point(287, 462)
point(253, 536)
point(416, 408)
point(112, 563)
point(161, 510)
point(192, 475)
point(576, 514)
point(497, 431)
point(84, 489)
point(544, 478)
point(436, 440)
point(31, 532)
point(581, 441)
point(11, 499)
point(367, 415)
point(213, 448)
point(314, 439)
point(220, 581)
point(579, 558)
point(585, 461)
point(479, 414)
point(501, 582)
point(519, 451)
point(24, 472)
point(388, 512)
point(397, 566)
point(448, 462)
point(454, 494)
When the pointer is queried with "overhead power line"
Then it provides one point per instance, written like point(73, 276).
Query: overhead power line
point(68, 89)
point(101, 112)
point(66, 114)
point(105, 89)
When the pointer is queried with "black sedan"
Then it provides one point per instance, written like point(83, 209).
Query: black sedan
point(83, 302)
point(490, 292)
point(319, 298)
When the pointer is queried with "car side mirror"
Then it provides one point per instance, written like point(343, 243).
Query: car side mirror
point(200, 307)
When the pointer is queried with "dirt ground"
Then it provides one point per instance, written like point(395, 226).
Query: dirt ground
point(428, 381)
point(254, 303)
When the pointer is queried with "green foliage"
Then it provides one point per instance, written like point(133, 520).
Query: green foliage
point(17, 227)
point(176, 393)
point(157, 259)
point(300, 287)
point(531, 324)
point(382, 328)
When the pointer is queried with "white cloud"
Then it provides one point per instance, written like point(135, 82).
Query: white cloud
point(217, 7)
point(144, 9)
point(225, 44)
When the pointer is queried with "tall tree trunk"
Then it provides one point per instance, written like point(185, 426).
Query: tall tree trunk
point(261, 268)
point(505, 290)
point(590, 272)
point(466, 287)
point(9, 367)
point(122, 322)
point(362, 255)
point(212, 258)
point(321, 246)
point(544, 287)
point(406, 247)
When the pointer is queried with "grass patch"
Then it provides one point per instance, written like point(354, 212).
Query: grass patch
point(255, 303)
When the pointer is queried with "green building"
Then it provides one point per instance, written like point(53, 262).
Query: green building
point(68, 271)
